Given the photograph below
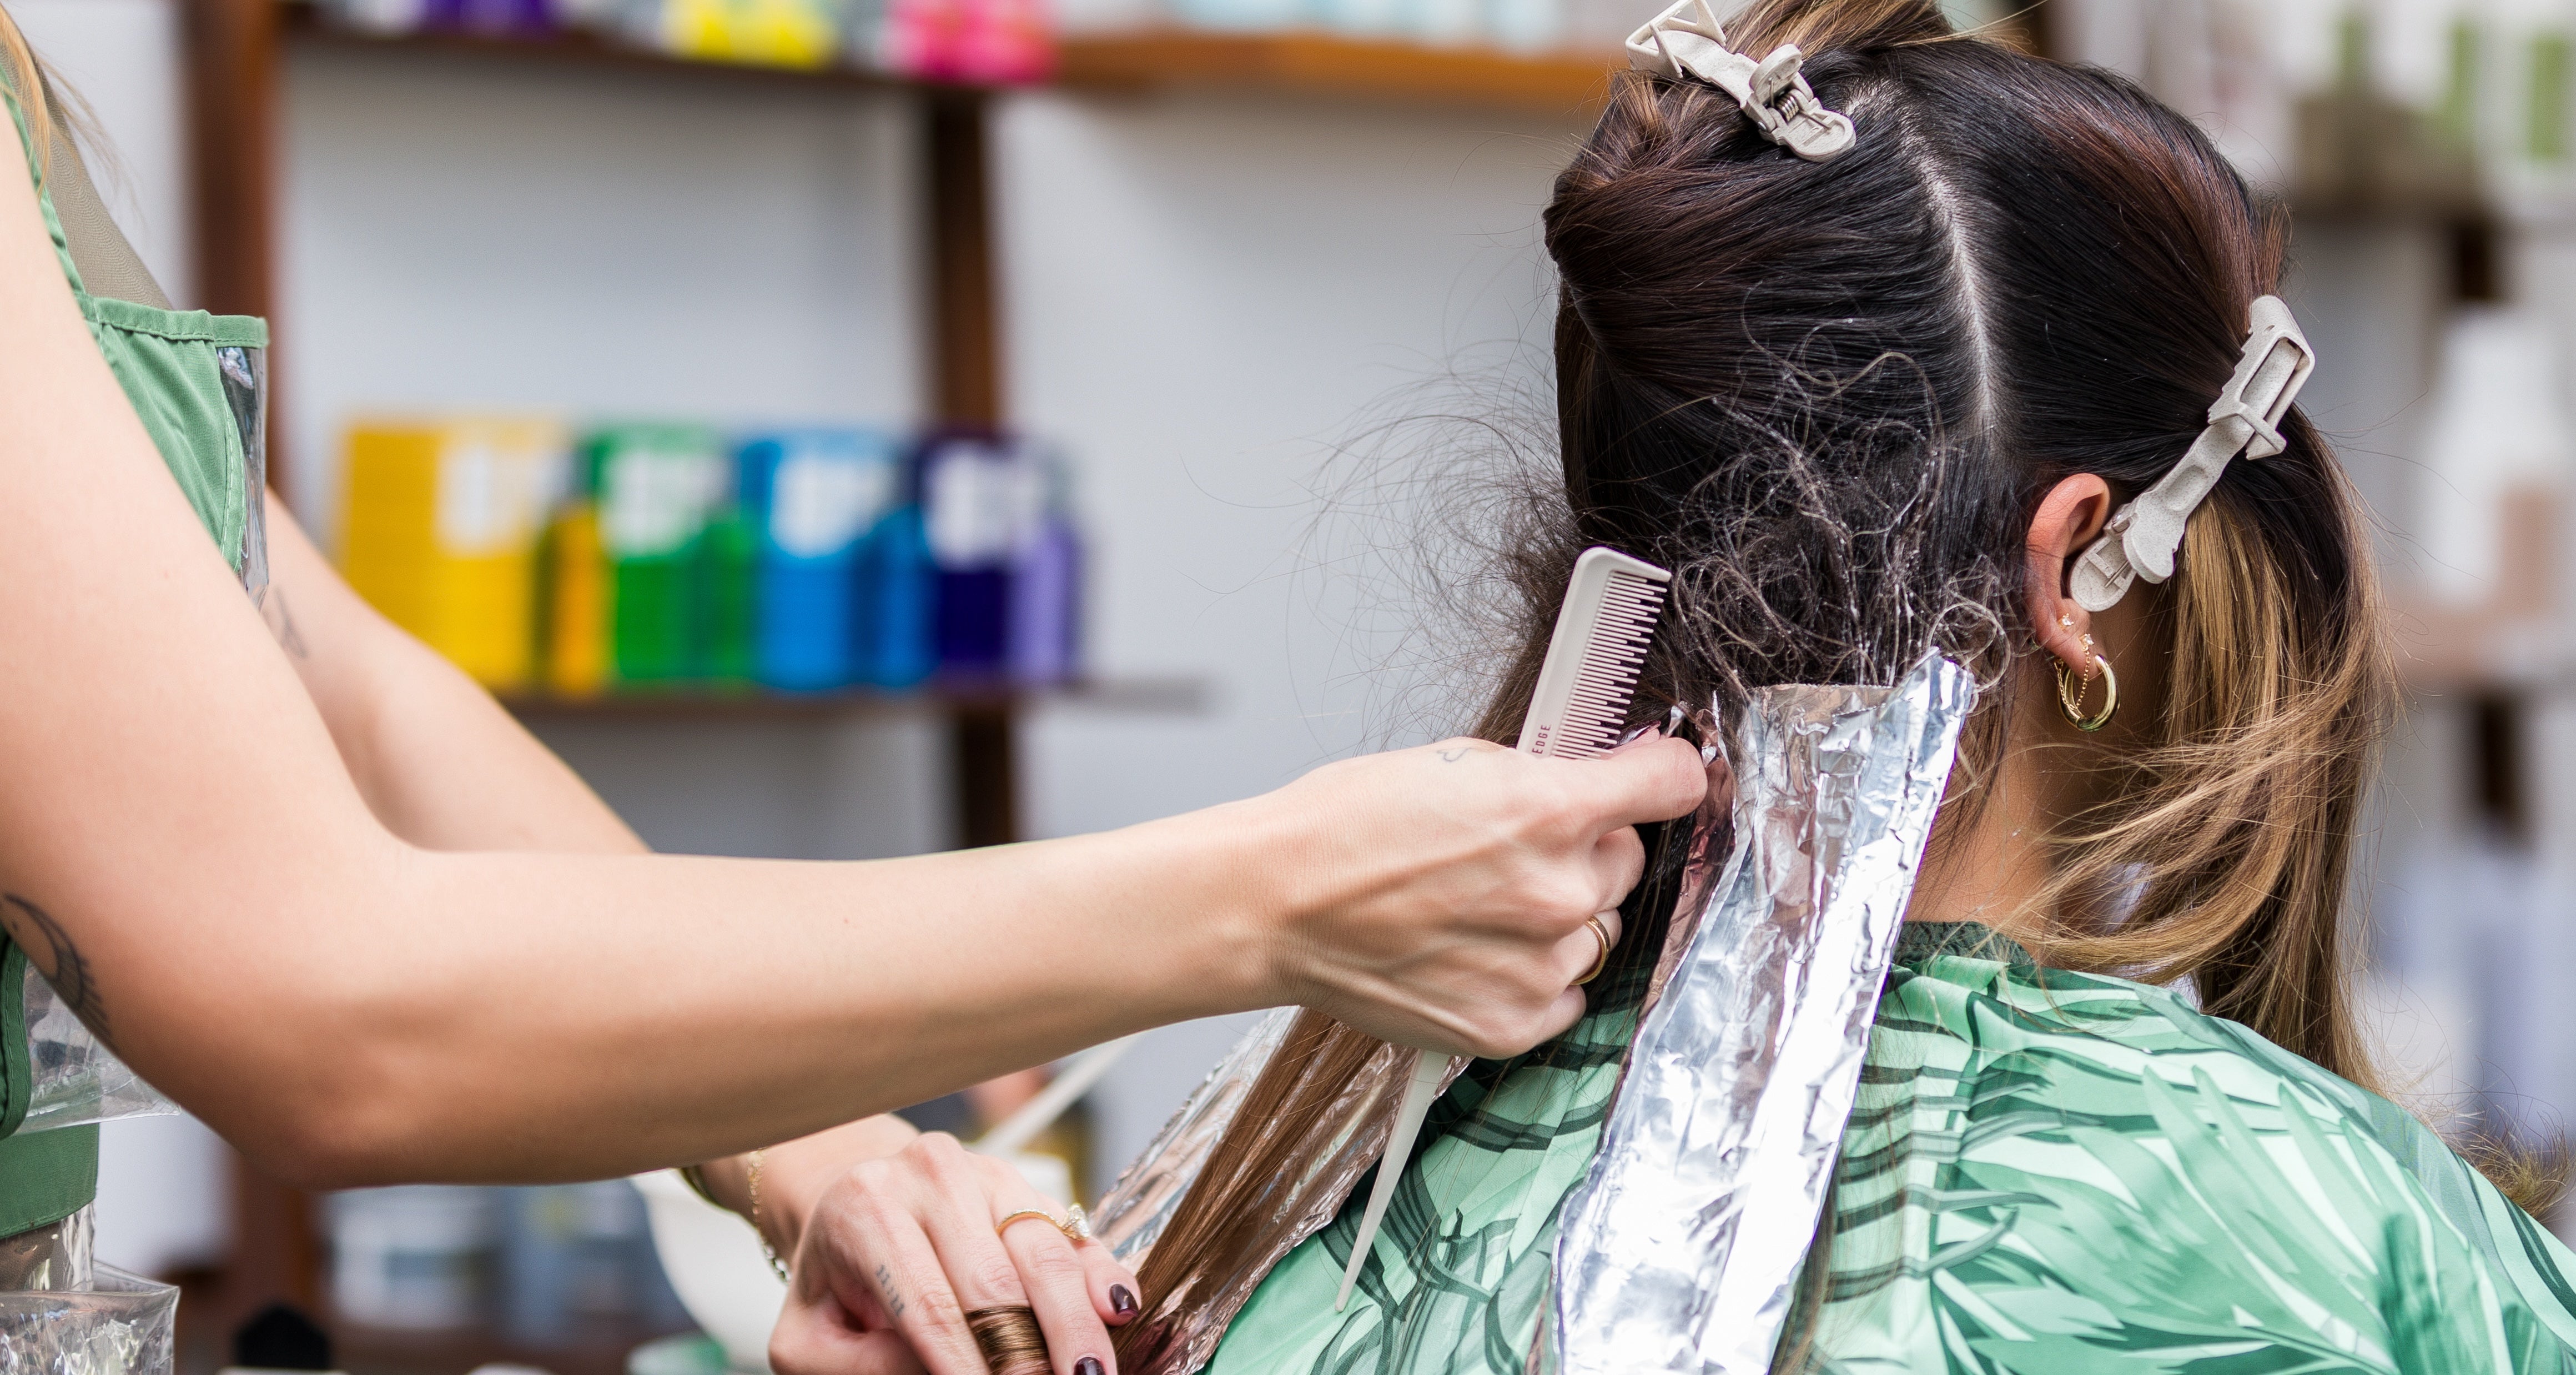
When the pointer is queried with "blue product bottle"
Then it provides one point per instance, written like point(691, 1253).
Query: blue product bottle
point(896, 585)
point(814, 495)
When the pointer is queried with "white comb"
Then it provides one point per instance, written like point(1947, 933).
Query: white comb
point(1578, 712)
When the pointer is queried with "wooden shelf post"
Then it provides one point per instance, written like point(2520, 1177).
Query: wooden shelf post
point(966, 393)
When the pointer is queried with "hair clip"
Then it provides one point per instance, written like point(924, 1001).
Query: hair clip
point(1687, 40)
point(2141, 540)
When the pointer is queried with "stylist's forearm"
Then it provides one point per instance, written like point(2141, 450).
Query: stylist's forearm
point(842, 991)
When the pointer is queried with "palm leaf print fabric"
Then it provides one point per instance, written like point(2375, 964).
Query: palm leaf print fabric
point(2046, 1173)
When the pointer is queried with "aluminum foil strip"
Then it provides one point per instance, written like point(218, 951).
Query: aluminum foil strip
point(1680, 1249)
point(1150, 1189)
point(1337, 1148)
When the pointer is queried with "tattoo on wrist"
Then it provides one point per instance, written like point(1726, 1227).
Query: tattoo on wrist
point(885, 1290)
point(63, 964)
point(281, 623)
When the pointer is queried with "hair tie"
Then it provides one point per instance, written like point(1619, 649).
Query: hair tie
point(1687, 40)
point(2142, 538)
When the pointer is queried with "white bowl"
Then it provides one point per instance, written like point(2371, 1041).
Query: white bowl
point(716, 1266)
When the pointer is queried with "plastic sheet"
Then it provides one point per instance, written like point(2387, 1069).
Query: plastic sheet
point(77, 1080)
point(117, 1324)
point(1680, 1250)
point(58, 1256)
point(1338, 1148)
point(63, 1314)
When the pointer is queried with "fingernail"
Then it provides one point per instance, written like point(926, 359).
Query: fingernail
point(1122, 1301)
point(1088, 1365)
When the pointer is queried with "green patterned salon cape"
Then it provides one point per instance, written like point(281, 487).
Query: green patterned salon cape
point(2045, 1174)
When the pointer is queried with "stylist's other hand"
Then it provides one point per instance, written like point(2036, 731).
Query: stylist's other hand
point(1445, 889)
point(898, 1250)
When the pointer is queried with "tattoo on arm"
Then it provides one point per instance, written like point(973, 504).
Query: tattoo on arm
point(64, 966)
point(885, 1290)
point(281, 623)
point(1453, 756)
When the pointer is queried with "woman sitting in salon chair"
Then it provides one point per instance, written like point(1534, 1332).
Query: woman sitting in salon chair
point(1950, 385)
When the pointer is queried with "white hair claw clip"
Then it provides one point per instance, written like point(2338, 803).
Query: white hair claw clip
point(1687, 40)
point(2141, 540)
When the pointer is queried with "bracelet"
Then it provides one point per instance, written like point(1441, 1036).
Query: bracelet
point(777, 1267)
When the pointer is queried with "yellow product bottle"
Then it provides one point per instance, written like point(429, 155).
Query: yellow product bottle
point(578, 603)
point(440, 533)
point(774, 33)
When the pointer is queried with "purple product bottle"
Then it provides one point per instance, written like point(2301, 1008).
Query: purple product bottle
point(490, 16)
point(1046, 592)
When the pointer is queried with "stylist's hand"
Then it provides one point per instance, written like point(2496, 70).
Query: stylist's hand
point(898, 1250)
point(1445, 889)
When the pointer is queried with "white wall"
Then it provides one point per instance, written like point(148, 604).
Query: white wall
point(122, 58)
point(477, 233)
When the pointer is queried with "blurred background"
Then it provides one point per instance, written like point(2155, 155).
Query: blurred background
point(849, 428)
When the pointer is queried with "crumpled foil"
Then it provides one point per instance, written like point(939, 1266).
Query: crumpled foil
point(1680, 1250)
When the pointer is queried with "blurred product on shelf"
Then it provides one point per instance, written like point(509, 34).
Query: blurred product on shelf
point(668, 556)
point(658, 491)
point(440, 533)
point(983, 42)
point(549, 1266)
point(814, 496)
point(994, 519)
point(577, 1260)
point(418, 1257)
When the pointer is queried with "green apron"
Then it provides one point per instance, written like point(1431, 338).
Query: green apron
point(199, 384)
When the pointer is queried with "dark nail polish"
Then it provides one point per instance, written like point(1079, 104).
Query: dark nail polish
point(1122, 1300)
point(1088, 1365)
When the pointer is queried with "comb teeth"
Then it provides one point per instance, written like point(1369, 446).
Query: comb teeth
point(1595, 658)
point(1606, 682)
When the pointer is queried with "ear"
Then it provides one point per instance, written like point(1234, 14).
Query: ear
point(2069, 519)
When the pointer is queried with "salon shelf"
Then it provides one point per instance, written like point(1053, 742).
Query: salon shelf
point(1319, 64)
point(305, 25)
point(1152, 696)
point(1289, 63)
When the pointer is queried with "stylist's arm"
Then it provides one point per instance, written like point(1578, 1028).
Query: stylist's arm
point(256, 893)
point(894, 1252)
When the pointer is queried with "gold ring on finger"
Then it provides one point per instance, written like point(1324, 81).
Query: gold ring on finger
point(1600, 933)
point(1076, 1224)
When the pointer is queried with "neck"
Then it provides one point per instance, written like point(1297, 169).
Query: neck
point(1993, 871)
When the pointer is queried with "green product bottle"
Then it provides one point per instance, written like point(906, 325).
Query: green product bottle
point(657, 487)
point(728, 579)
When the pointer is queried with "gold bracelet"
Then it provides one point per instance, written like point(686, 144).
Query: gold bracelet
point(776, 1266)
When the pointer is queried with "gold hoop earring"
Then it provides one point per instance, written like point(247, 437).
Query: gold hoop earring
point(2071, 692)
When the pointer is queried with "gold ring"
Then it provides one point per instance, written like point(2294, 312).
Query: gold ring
point(1600, 933)
point(1076, 1224)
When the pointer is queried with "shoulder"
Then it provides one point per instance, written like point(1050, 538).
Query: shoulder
point(2096, 1159)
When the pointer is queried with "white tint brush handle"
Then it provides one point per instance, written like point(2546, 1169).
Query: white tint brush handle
point(1578, 711)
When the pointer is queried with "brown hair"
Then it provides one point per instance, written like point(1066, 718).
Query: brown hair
point(1832, 396)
